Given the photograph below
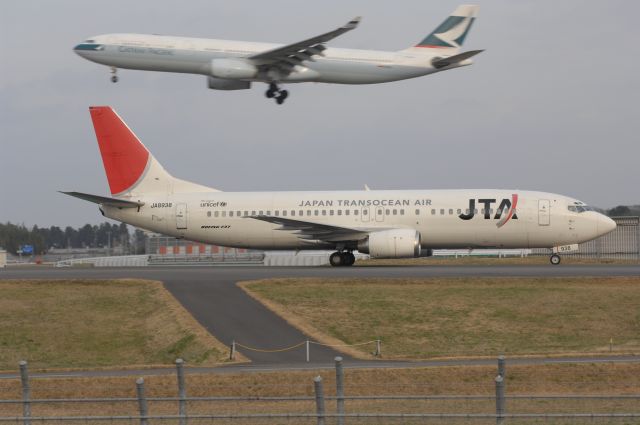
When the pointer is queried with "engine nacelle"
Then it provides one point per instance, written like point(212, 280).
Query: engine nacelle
point(224, 84)
point(395, 243)
point(237, 69)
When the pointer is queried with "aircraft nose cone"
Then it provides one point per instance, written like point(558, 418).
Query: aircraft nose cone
point(605, 224)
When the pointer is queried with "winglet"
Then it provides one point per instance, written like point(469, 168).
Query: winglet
point(352, 24)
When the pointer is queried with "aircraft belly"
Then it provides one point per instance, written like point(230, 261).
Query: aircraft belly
point(363, 73)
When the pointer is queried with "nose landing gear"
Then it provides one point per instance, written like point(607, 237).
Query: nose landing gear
point(114, 77)
point(343, 258)
point(275, 92)
point(555, 259)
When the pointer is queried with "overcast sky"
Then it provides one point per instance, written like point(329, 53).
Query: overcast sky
point(551, 105)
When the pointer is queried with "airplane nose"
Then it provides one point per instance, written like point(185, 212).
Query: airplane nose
point(605, 224)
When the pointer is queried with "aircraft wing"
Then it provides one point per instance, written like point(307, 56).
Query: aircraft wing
point(307, 230)
point(287, 57)
point(103, 200)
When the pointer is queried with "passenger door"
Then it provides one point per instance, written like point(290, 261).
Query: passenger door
point(544, 212)
point(181, 216)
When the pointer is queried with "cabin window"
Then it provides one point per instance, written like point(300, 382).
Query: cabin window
point(230, 213)
point(442, 211)
point(315, 212)
point(217, 213)
point(260, 213)
point(450, 211)
point(224, 213)
point(387, 212)
point(238, 213)
point(301, 213)
point(324, 212)
point(401, 212)
point(277, 213)
point(339, 212)
point(253, 213)
point(308, 212)
point(364, 212)
point(330, 212)
point(268, 213)
point(346, 212)
point(460, 211)
point(433, 212)
point(284, 213)
point(293, 213)
point(417, 211)
point(355, 212)
point(246, 213)
point(208, 213)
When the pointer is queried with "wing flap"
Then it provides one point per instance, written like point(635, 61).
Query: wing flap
point(103, 200)
point(306, 230)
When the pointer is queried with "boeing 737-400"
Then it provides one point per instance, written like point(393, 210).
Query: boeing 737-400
point(383, 224)
point(234, 65)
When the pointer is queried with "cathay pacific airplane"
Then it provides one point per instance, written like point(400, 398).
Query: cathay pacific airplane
point(384, 224)
point(234, 65)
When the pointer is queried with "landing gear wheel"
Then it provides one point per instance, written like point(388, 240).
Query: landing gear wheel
point(114, 77)
point(348, 258)
point(284, 94)
point(270, 93)
point(336, 259)
point(555, 259)
point(280, 100)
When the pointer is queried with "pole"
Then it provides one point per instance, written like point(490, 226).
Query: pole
point(339, 390)
point(317, 384)
point(378, 348)
point(307, 346)
point(182, 392)
point(502, 366)
point(232, 355)
point(500, 401)
point(142, 402)
point(26, 393)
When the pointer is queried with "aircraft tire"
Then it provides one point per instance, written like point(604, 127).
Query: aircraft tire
point(348, 258)
point(336, 258)
point(114, 78)
point(555, 259)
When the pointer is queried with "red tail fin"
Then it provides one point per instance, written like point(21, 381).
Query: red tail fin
point(123, 155)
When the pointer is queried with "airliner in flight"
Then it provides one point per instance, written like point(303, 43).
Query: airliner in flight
point(382, 223)
point(234, 65)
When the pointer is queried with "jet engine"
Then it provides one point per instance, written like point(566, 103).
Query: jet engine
point(395, 243)
point(225, 84)
point(237, 69)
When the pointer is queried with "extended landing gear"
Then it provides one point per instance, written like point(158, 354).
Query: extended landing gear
point(555, 259)
point(275, 92)
point(114, 77)
point(342, 259)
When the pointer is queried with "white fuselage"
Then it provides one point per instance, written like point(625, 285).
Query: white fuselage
point(540, 219)
point(195, 55)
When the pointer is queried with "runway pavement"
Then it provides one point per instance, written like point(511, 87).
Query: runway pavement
point(212, 297)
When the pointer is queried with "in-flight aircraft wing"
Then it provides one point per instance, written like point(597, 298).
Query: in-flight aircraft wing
point(285, 58)
point(315, 231)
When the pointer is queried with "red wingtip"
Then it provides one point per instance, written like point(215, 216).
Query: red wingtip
point(123, 156)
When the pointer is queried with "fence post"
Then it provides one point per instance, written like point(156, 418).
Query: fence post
point(317, 384)
point(307, 346)
point(378, 348)
point(26, 393)
point(339, 390)
point(502, 366)
point(500, 401)
point(182, 392)
point(232, 354)
point(142, 402)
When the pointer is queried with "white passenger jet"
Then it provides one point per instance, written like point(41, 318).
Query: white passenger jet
point(234, 65)
point(384, 224)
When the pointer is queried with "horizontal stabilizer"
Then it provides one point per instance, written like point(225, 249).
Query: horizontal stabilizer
point(452, 60)
point(103, 200)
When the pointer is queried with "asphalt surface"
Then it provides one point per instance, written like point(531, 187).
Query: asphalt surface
point(211, 295)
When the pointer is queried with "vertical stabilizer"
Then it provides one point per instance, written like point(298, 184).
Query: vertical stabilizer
point(131, 169)
point(450, 34)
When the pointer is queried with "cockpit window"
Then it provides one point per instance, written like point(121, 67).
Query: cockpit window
point(579, 208)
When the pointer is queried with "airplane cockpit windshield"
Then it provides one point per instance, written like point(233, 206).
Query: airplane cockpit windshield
point(579, 207)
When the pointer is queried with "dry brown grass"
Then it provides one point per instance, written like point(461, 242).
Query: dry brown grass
point(605, 379)
point(97, 323)
point(448, 317)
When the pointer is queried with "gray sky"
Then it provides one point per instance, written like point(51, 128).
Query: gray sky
point(552, 104)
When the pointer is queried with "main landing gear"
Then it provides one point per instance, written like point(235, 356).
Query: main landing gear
point(555, 259)
point(277, 93)
point(114, 77)
point(343, 258)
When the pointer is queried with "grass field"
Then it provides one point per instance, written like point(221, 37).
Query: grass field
point(601, 379)
point(92, 323)
point(450, 317)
